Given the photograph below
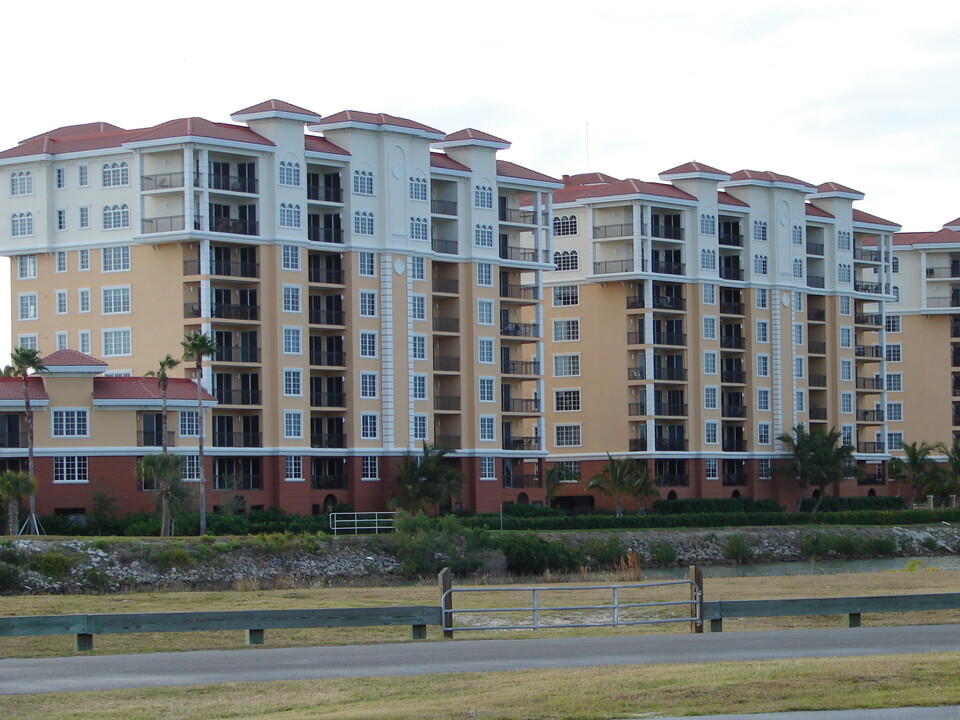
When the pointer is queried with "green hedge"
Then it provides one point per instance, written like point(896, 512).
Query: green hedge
point(692, 506)
point(843, 504)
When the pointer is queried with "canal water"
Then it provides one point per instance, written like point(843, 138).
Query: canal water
point(818, 567)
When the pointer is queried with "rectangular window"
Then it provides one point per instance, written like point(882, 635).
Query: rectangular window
point(61, 302)
point(420, 427)
point(61, 178)
point(189, 423)
point(486, 392)
point(116, 342)
point(419, 387)
point(763, 331)
point(61, 225)
point(484, 274)
point(83, 176)
point(369, 468)
point(362, 182)
point(368, 303)
point(83, 341)
point(763, 366)
point(895, 411)
point(83, 260)
point(846, 337)
point(763, 433)
point(294, 467)
point(846, 435)
point(846, 370)
point(418, 228)
point(115, 259)
point(292, 424)
point(28, 342)
point(798, 300)
point(845, 305)
point(292, 341)
point(83, 217)
point(418, 307)
point(709, 294)
point(488, 429)
point(798, 367)
point(293, 382)
point(418, 268)
point(488, 468)
point(485, 312)
point(418, 188)
point(566, 365)
point(26, 267)
point(894, 382)
point(369, 426)
point(892, 323)
point(115, 300)
point(70, 469)
point(27, 303)
point(763, 399)
point(483, 236)
point(61, 339)
point(894, 441)
point(290, 257)
point(566, 400)
point(710, 432)
point(709, 328)
point(367, 264)
point(368, 344)
point(190, 471)
point(363, 223)
point(893, 352)
point(710, 398)
point(799, 401)
point(485, 351)
point(846, 403)
point(61, 262)
point(711, 469)
point(291, 298)
point(566, 435)
point(69, 423)
point(762, 298)
point(566, 330)
point(83, 300)
point(763, 468)
point(566, 295)
point(798, 333)
point(368, 385)
point(418, 347)
point(710, 363)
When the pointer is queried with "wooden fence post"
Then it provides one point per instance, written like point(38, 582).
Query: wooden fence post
point(445, 581)
point(696, 577)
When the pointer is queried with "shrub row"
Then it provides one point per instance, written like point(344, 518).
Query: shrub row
point(690, 506)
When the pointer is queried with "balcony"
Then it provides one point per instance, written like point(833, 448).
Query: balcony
point(608, 267)
point(815, 249)
point(521, 217)
point(603, 232)
point(448, 286)
point(446, 403)
point(237, 354)
point(170, 223)
point(816, 314)
point(731, 308)
point(870, 416)
point(668, 302)
point(871, 447)
point(520, 254)
point(866, 255)
point(672, 480)
point(815, 281)
point(636, 409)
point(675, 374)
point(328, 482)
point(530, 330)
point(446, 324)
point(322, 193)
point(235, 227)
point(163, 181)
point(667, 232)
point(521, 405)
point(234, 183)
point(869, 480)
point(817, 413)
point(869, 320)
point(637, 373)
point(737, 377)
point(662, 409)
point(327, 358)
point(523, 481)
point(737, 479)
point(237, 397)
point(224, 268)
point(731, 273)
point(954, 329)
point(869, 383)
point(520, 292)
point(521, 443)
point(328, 440)
point(666, 268)
point(446, 364)
point(948, 301)
point(955, 386)
point(447, 247)
point(734, 444)
point(238, 439)
point(147, 438)
point(868, 351)
point(733, 411)
point(635, 303)
point(521, 367)
point(637, 445)
point(817, 381)
point(815, 347)
point(865, 287)
point(225, 311)
point(325, 235)
point(671, 443)
point(732, 342)
point(730, 239)
point(447, 442)
point(669, 338)
point(325, 276)
point(12, 439)
point(443, 207)
point(328, 400)
point(948, 271)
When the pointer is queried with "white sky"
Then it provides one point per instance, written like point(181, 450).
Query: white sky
point(862, 93)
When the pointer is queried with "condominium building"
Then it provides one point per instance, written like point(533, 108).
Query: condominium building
point(691, 322)
point(371, 282)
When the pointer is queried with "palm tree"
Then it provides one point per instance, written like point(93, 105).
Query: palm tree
point(163, 471)
point(623, 477)
point(168, 363)
point(26, 361)
point(426, 481)
point(197, 346)
point(14, 486)
point(951, 474)
point(916, 468)
point(555, 477)
point(817, 459)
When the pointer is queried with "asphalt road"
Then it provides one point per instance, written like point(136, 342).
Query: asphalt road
point(104, 672)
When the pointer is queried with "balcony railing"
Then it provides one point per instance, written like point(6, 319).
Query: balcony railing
point(520, 217)
point(326, 276)
point(734, 479)
point(608, 267)
point(520, 254)
point(234, 227)
point(666, 268)
point(869, 480)
point(869, 383)
point(866, 255)
point(328, 400)
point(636, 409)
point(170, 223)
point(522, 481)
point(224, 310)
point(447, 442)
point(817, 413)
point(521, 405)
point(669, 338)
point(328, 440)
point(637, 444)
point(731, 308)
point(446, 364)
point(732, 342)
point(815, 248)
point(521, 367)
point(446, 324)
point(322, 316)
point(948, 271)
point(237, 354)
point(871, 320)
point(234, 183)
point(447, 247)
point(731, 273)
point(815, 281)
point(449, 286)
point(733, 376)
point(224, 268)
point(636, 337)
point(602, 232)
point(672, 480)
point(942, 302)
point(163, 181)
point(328, 482)
point(237, 439)
point(677, 374)
point(668, 302)
point(816, 314)
point(152, 438)
point(734, 411)
point(322, 193)
point(326, 235)
point(12, 439)
point(865, 287)
point(669, 443)
point(227, 396)
point(531, 330)
point(734, 445)
point(732, 239)
point(670, 409)
point(871, 447)
point(667, 232)
point(449, 403)
point(327, 358)
point(816, 347)
point(873, 416)
point(520, 292)
point(443, 207)
point(817, 381)
point(637, 373)
point(521, 443)
point(868, 351)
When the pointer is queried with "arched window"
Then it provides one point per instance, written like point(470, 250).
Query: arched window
point(798, 268)
point(760, 264)
point(797, 235)
point(21, 183)
point(116, 174)
point(289, 173)
point(483, 196)
point(760, 230)
point(418, 188)
point(483, 236)
point(566, 260)
point(418, 228)
point(708, 259)
point(363, 223)
point(565, 225)
point(21, 224)
point(363, 182)
point(708, 225)
point(289, 215)
point(116, 216)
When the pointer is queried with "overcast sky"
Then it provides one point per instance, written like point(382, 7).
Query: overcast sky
point(862, 93)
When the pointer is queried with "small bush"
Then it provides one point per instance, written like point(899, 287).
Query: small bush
point(9, 554)
point(604, 553)
point(172, 556)
point(881, 546)
point(9, 577)
point(531, 511)
point(814, 546)
point(96, 579)
point(663, 553)
point(51, 563)
point(529, 554)
point(695, 506)
point(845, 504)
point(737, 548)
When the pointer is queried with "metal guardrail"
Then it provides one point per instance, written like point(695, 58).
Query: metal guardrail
point(362, 521)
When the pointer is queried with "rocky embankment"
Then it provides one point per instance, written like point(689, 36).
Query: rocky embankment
point(112, 565)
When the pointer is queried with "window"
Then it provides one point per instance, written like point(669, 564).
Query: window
point(29, 342)
point(483, 236)
point(893, 353)
point(892, 323)
point(566, 365)
point(368, 303)
point(116, 216)
point(70, 469)
point(294, 467)
point(895, 291)
point(895, 265)
point(190, 471)
point(566, 400)
point(289, 173)
point(709, 328)
point(368, 385)
point(290, 257)
point(418, 268)
point(484, 274)
point(485, 351)
point(363, 223)
point(189, 423)
point(762, 298)
point(115, 259)
point(797, 301)
point(763, 331)
point(711, 469)
point(84, 217)
point(894, 382)
point(844, 273)
point(565, 225)
point(69, 423)
point(709, 294)
point(797, 268)
point(61, 178)
point(83, 176)
point(894, 441)
point(710, 432)
point(21, 224)
point(290, 216)
point(116, 342)
point(798, 333)
point(61, 224)
point(83, 300)
point(483, 196)
point(763, 399)
point(895, 411)
point(708, 259)
point(418, 307)
point(292, 424)
point(61, 302)
point(61, 262)
point(486, 392)
point(710, 363)
point(798, 367)
point(760, 264)
point(419, 391)
point(763, 433)
point(292, 382)
point(369, 468)
point(368, 426)
point(115, 174)
point(420, 427)
point(710, 398)
point(796, 235)
point(292, 344)
point(26, 267)
point(566, 330)
point(418, 228)
point(844, 240)
point(83, 341)
point(418, 188)
point(760, 230)
point(846, 435)
point(488, 427)
point(21, 183)
point(846, 337)
point(763, 468)
point(367, 265)
point(61, 339)
point(485, 312)
point(846, 370)
point(799, 401)
point(846, 402)
point(418, 347)
point(27, 303)
point(708, 225)
point(368, 344)
point(116, 300)
point(566, 295)
point(566, 435)
point(566, 260)
point(763, 366)
point(488, 468)
point(362, 182)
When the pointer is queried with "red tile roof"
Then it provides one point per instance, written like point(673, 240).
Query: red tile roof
point(144, 388)
point(47, 145)
point(862, 217)
point(275, 105)
point(817, 212)
point(923, 238)
point(72, 130)
point(198, 127)
point(633, 186)
point(952, 223)
point(768, 176)
point(315, 143)
point(471, 134)
point(693, 167)
point(725, 198)
point(509, 169)
point(11, 388)
point(440, 160)
point(70, 358)
point(832, 187)
point(376, 119)
point(594, 178)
